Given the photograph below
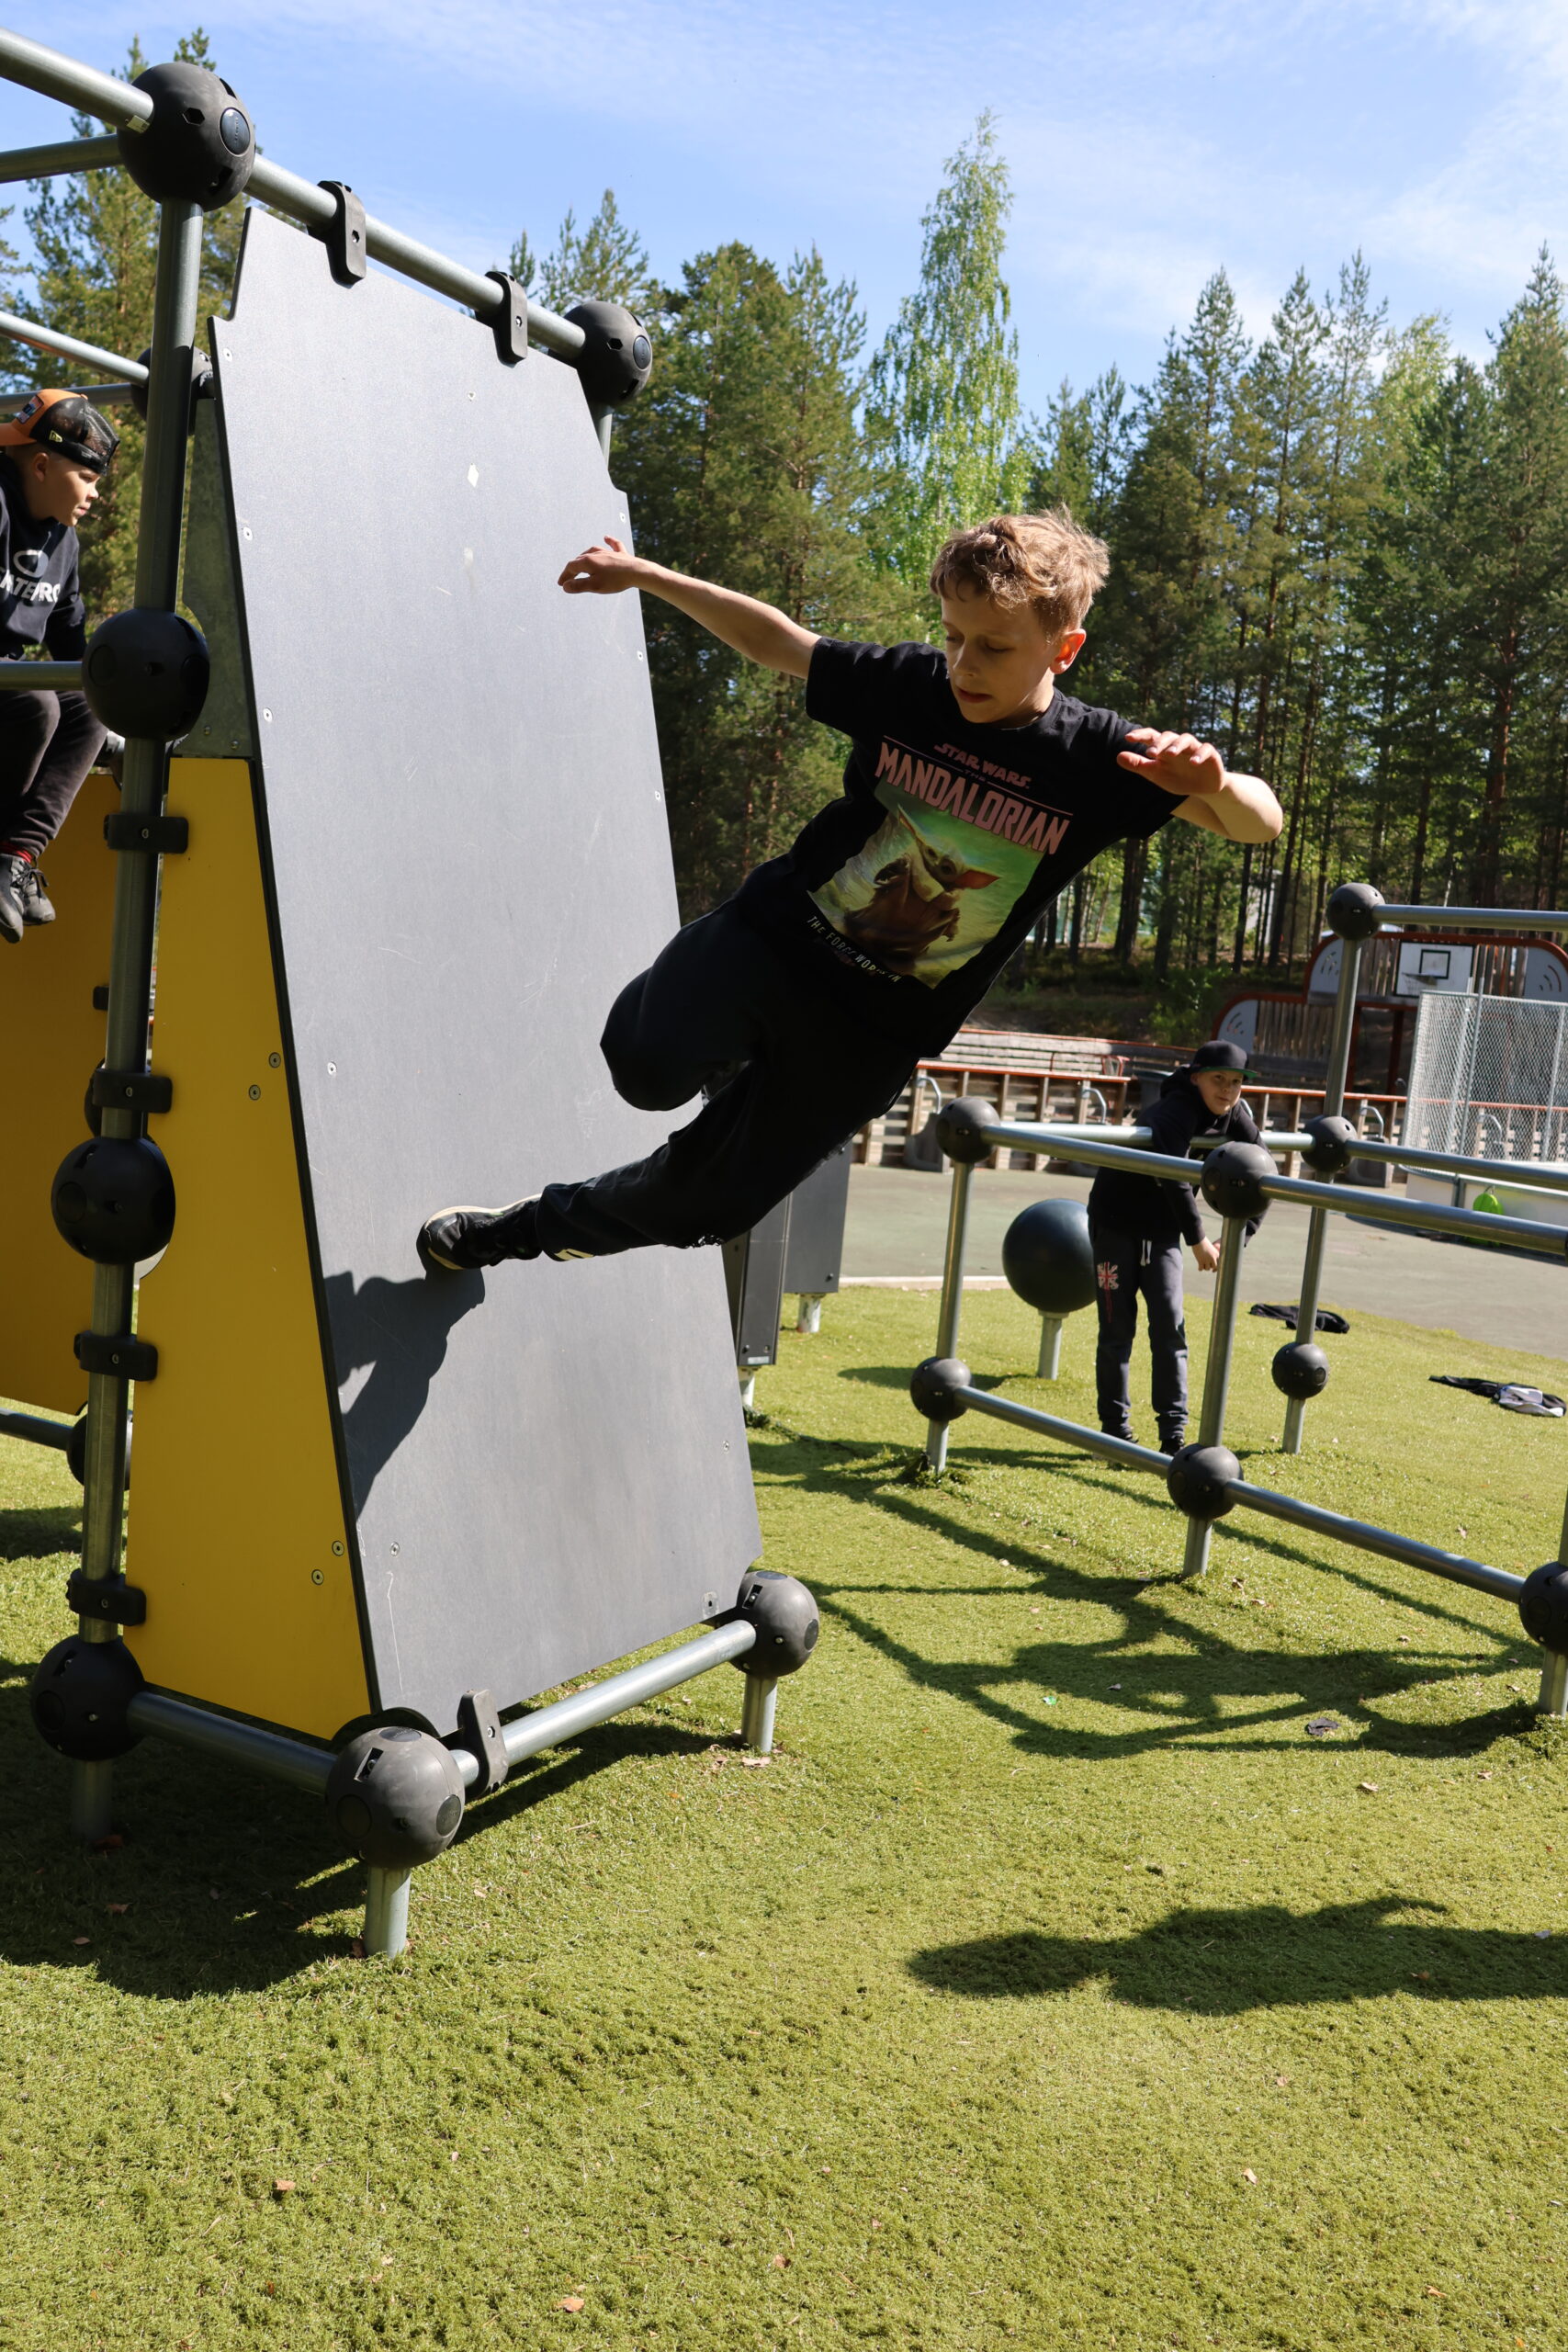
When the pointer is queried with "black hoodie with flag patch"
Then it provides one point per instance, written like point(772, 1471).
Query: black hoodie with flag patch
point(1157, 1209)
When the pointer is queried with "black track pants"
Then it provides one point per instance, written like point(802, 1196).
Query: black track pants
point(1126, 1268)
point(47, 744)
point(719, 999)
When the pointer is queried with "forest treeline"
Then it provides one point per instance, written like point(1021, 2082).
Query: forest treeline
point(1340, 550)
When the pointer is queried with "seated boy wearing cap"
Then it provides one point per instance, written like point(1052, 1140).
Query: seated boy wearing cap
point(52, 454)
point(1137, 1227)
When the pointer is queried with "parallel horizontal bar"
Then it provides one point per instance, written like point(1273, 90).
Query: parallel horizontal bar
point(101, 396)
point(1369, 1538)
point(33, 1430)
point(272, 1752)
point(60, 155)
point(66, 346)
point(19, 677)
point(1540, 1175)
point(302, 200)
point(54, 77)
point(1478, 1225)
point(547, 1726)
point(1027, 1417)
point(1272, 1139)
point(1362, 1533)
point(1473, 918)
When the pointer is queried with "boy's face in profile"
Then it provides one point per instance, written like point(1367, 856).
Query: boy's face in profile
point(1000, 663)
point(57, 489)
point(1221, 1089)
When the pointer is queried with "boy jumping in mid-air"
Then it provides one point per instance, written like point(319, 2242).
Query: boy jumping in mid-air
point(974, 792)
point(55, 450)
point(1136, 1228)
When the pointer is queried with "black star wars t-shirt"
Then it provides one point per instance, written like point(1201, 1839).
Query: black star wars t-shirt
point(41, 595)
point(912, 890)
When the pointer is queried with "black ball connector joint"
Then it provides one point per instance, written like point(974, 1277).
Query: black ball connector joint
point(114, 1200)
point(959, 1126)
point(199, 145)
point(81, 1699)
point(1543, 1606)
point(396, 1794)
point(1333, 1145)
point(616, 358)
point(784, 1614)
point(145, 672)
point(1300, 1370)
point(1048, 1259)
point(1355, 911)
point(937, 1387)
point(1233, 1178)
point(1199, 1480)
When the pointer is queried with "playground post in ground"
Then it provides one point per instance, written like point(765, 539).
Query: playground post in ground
point(1217, 1375)
point(1339, 1043)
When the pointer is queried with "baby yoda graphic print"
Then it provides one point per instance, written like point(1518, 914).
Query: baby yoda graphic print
point(938, 879)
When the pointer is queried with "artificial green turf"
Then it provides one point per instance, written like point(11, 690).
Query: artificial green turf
point(1050, 1986)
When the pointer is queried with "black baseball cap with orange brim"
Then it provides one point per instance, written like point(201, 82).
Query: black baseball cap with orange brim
point(66, 424)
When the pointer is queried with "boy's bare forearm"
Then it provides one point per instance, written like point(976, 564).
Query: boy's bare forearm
point(1246, 810)
point(758, 631)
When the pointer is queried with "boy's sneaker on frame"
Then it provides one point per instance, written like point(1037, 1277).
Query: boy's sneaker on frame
point(462, 1240)
point(17, 881)
point(1171, 1441)
point(38, 907)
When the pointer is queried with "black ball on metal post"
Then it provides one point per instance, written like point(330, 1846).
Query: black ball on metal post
point(1047, 1257)
point(785, 1613)
point(616, 358)
point(396, 1794)
point(1332, 1146)
point(145, 672)
point(198, 146)
point(1355, 911)
point(113, 1200)
point(79, 1698)
point(1300, 1370)
point(1234, 1177)
point(937, 1387)
point(1543, 1606)
point(958, 1127)
point(1199, 1480)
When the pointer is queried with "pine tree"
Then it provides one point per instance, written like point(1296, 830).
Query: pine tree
point(606, 262)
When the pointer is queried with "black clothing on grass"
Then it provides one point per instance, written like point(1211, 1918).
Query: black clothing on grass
point(908, 893)
point(717, 996)
point(837, 965)
point(1137, 1225)
point(46, 741)
point(1127, 1267)
point(1149, 1206)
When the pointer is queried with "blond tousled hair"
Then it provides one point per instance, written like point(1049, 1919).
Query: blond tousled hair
point(1046, 560)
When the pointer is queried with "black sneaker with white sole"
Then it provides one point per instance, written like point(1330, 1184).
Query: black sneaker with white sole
point(17, 880)
point(461, 1240)
point(38, 907)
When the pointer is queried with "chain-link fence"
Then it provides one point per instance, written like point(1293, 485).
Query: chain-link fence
point(1489, 1075)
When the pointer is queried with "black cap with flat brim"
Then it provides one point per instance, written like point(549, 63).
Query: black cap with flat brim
point(1219, 1054)
point(67, 426)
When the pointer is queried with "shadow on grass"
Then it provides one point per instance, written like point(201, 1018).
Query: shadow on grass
point(39, 1534)
point(228, 1883)
point(1212, 1688)
point(1223, 1963)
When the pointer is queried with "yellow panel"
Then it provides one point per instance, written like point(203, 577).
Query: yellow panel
point(237, 1531)
point(50, 1043)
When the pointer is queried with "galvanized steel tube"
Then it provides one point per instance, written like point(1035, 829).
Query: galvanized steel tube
point(231, 1742)
point(54, 77)
point(68, 346)
point(60, 155)
point(952, 1307)
point(547, 1726)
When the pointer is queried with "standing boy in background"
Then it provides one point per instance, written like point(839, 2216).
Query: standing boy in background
point(1136, 1228)
point(55, 449)
point(973, 794)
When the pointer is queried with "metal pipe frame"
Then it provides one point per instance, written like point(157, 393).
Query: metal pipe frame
point(1537, 1175)
point(33, 1430)
point(60, 155)
point(24, 677)
point(1050, 1364)
point(67, 347)
point(1217, 1374)
point(951, 1306)
point(1361, 1533)
point(101, 396)
point(54, 77)
point(563, 1718)
point(1341, 1039)
point(1522, 919)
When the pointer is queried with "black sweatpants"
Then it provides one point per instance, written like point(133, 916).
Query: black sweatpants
point(47, 744)
point(720, 997)
point(1126, 1267)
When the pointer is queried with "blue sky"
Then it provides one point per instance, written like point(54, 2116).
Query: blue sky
point(1149, 144)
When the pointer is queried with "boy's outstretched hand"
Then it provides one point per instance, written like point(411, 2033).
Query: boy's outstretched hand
point(1178, 764)
point(601, 571)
